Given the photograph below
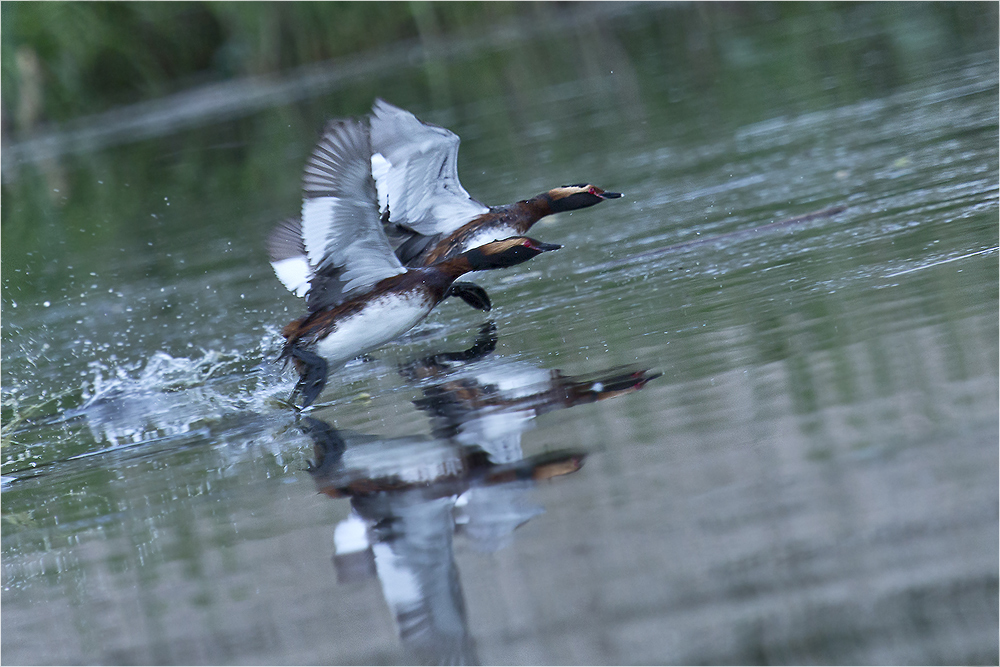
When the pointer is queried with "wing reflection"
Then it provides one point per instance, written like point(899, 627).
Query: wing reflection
point(411, 495)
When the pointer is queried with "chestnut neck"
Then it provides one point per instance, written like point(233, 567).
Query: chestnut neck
point(537, 207)
point(455, 267)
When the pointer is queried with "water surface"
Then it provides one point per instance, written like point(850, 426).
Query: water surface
point(713, 428)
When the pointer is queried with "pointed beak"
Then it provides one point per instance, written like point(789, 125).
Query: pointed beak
point(545, 247)
point(610, 195)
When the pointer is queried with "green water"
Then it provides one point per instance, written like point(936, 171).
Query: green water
point(812, 477)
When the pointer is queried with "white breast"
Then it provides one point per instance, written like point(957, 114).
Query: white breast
point(379, 322)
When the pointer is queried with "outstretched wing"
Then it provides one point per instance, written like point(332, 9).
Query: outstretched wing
point(288, 256)
point(342, 236)
point(415, 166)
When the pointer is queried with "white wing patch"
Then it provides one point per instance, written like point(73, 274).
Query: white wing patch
point(294, 273)
point(317, 217)
point(380, 172)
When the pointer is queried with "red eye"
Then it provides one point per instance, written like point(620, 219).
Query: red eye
point(593, 190)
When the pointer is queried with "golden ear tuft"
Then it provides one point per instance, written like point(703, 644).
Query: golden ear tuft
point(495, 247)
point(567, 190)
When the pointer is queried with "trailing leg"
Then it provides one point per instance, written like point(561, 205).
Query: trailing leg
point(312, 374)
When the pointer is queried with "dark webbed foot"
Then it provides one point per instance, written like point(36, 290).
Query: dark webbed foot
point(312, 375)
point(472, 294)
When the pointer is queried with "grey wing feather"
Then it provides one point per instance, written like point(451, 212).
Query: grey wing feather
point(415, 165)
point(288, 256)
point(341, 230)
point(285, 241)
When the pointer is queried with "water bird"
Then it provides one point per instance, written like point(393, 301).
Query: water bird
point(425, 212)
point(359, 295)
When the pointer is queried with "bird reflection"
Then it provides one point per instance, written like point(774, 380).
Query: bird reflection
point(490, 403)
point(411, 495)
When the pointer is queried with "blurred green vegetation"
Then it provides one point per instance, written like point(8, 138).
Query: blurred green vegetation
point(61, 60)
point(65, 59)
